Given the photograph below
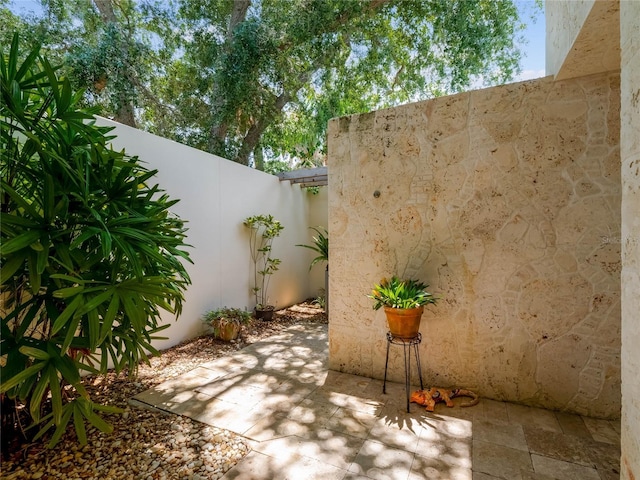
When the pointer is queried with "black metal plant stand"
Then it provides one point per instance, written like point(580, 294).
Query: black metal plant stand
point(407, 344)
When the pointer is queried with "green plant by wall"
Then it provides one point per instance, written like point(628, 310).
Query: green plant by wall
point(90, 251)
point(320, 246)
point(263, 230)
point(221, 318)
point(401, 293)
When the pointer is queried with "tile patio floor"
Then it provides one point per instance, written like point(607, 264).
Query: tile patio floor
point(305, 422)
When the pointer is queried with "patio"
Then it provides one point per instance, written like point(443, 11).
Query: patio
point(306, 421)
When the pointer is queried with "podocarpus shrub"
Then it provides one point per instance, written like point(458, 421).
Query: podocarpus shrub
point(90, 251)
point(262, 230)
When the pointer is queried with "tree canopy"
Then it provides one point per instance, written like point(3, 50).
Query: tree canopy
point(256, 79)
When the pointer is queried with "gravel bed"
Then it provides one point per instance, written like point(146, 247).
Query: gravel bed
point(150, 444)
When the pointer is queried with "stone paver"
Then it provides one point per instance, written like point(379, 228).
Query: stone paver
point(500, 461)
point(566, 470)
point(307, 422)
point(505, 434)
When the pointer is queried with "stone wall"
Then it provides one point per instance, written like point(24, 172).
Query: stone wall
point(507, 201)
point(582, 37)
point(630, 156)
point(563, 21)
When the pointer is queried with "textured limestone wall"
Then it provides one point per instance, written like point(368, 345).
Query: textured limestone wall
point(505, 200)
point(582, 37)
point(630, 161)
point(563, 21)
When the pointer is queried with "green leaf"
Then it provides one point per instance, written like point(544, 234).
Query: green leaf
point(93, 328)
point(56, 395)
point(34, 352)
point(95, 301)
point(22, 376)
point(72, 329)
point(34, 277)
point(21, 241)
point(109, 317)
point(47, 425)
point(10, 267)
point(20, 200)
point(70, 373)
point(35, 402)
point(108, 408)
point(61, 427)
point(69, 278)
point(78, 423)
point(66, 314)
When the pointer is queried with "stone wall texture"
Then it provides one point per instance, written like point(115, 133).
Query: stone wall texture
point(563, 21)
point(582, 37)
point(630, 161)
point(507, 201)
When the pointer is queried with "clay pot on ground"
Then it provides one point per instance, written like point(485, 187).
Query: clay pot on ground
point(227, 332)
point(226, 322)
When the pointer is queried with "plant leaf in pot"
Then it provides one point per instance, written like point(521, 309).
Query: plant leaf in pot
point(403, 301)
point(263, 230)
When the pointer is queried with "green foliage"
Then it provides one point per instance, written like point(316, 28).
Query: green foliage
point(263, 230)
point(397, 293)
point(90, 250)
point(251, 78)
point(320, 245)
point(228, 314)
point(321, 299)
point(113, 59)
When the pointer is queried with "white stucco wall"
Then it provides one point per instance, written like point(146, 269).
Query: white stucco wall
point(630, 238)
point(216, 195)
point(318, 217)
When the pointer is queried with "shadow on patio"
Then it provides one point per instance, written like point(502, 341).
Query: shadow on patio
point(305, 421)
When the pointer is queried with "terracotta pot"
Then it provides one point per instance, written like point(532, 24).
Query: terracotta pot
point(227, 332)
point(404, 322)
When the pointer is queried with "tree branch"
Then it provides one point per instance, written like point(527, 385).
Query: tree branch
point(105, 8)
point(343, 18)
point(238, 15)
point(218, 132)
point(251, 139)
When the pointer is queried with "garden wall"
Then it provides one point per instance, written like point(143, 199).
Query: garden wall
point(216, 195)
point(507, 201)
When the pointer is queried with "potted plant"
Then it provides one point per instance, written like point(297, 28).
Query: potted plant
point(321, 246)
point(403, 302)
point(226, 322)
point(263, 229)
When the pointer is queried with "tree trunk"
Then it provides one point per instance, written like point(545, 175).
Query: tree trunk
point(238, 15)
point(258, 158)
point(252, 138)
point(125, 112)
point(218, 132)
